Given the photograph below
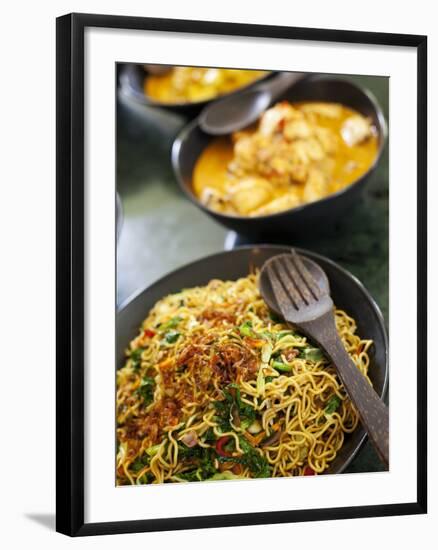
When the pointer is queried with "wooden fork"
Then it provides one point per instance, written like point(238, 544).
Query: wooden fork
point(303, 297)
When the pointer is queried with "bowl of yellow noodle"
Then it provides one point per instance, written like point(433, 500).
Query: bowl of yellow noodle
point(211, 385)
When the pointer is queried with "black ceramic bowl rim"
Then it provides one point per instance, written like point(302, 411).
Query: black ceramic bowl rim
point(314, 256)
point(132, 92)
point(180, 138)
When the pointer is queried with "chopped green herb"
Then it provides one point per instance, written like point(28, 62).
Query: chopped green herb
point(209, 436)
point(311, 354)
point(332, 404)
point(146, 390)
point(204, 463)
point(232, 409)
point(171, 323)
point(192, 475)
point(146, 478)
point(245, 329)
point(258, 464)
point(245, 445)
point(172, 336)
point(139, 463)
point(246, 423)
point(251, 458)
point(152, 451)
point(136, 357)
point(189, 453)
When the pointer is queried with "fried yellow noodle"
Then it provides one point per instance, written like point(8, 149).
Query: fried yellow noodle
point(214, 387)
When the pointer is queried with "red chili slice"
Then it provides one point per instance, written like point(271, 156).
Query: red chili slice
point(308, 471)
point(149, 333)
point(220, 443)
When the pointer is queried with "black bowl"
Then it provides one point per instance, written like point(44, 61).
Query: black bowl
point(347, 292)
point(313, 217)
point(132, 78)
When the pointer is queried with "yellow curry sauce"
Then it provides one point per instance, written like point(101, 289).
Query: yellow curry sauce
point(189, 84)
point(298, 153)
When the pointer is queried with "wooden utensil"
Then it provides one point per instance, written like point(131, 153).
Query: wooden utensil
point(297, 289)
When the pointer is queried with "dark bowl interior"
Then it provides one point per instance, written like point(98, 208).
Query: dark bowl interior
point(132, 77)
point(310, 218)
point(347, 292)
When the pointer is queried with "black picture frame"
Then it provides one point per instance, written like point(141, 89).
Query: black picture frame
point(70, 273)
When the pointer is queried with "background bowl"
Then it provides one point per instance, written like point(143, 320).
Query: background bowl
point(312, 217)
point(132, 77)
point(347, 292)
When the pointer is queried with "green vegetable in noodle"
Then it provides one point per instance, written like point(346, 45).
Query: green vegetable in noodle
point(245, 445)
point(232, 411)
point(311, 354)
point(245, 329)
point(146, 478)
point(280, 366)
point(147, 389)
point(209, 436)
point(188, 453)
point(257, 463)
point(284, 333)
point(251, 458)
point(224, 475)
point(192, 475)
point(332, 404)
point(139, 463)
point(172, 323)
point(152, 451)
point(244, 424)
point(172, 336)
point(203, 460)
point(136, 357)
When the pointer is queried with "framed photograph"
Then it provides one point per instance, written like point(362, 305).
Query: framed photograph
point(241, 274)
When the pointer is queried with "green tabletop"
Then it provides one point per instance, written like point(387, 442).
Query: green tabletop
point(162, 230)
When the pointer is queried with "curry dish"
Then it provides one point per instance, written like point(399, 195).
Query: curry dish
point(297, 153)
point(190, 84)
point(216, 387)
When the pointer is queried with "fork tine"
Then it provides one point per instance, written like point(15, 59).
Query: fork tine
point(298, 282)
point(284, 301)
point(289, 284)
point(305, 275)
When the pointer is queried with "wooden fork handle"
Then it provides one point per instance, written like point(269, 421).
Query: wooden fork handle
point(372, 411)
